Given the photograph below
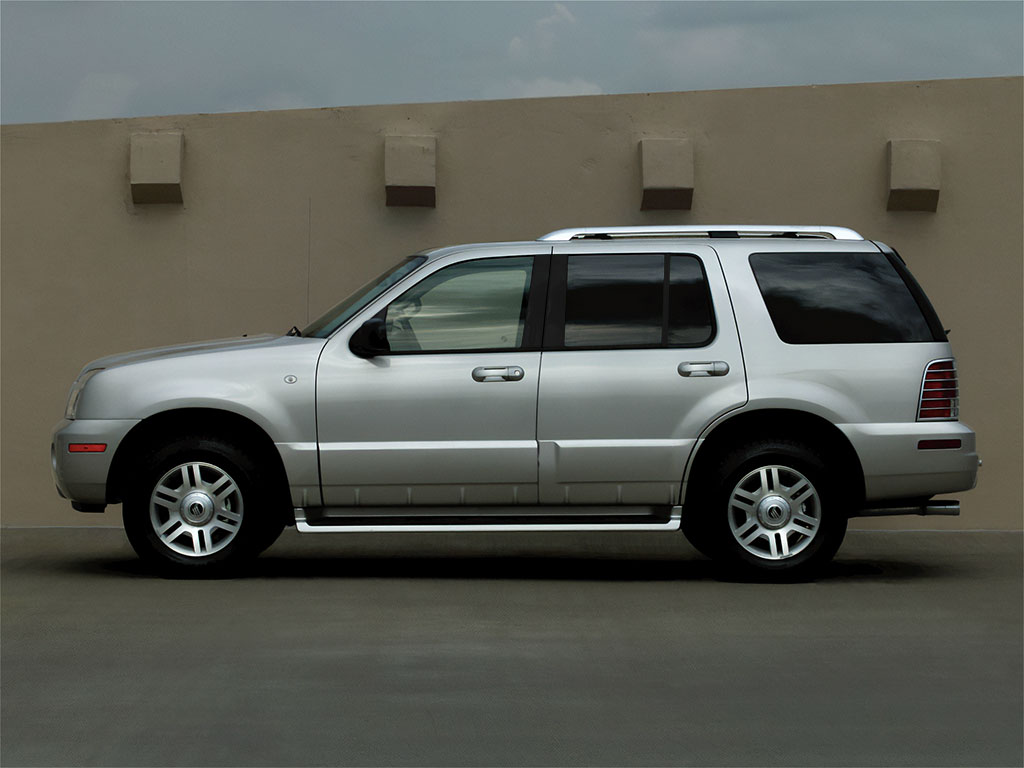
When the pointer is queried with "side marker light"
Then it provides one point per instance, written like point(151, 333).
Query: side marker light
point(930, 445)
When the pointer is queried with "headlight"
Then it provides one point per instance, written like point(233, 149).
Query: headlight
point(76, 393)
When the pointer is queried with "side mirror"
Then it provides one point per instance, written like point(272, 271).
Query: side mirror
point(370, 339)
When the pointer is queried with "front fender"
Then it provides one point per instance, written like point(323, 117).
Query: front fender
point(274, 388)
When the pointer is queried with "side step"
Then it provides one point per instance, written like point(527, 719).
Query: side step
point(951, 508)
point(406, 519)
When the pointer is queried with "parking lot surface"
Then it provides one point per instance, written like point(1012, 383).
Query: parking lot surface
point(504, 649)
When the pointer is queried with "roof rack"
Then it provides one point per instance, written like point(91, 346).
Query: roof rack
point(701, 230)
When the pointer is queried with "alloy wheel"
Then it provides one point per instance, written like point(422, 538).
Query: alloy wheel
point(774, 512)
point(196, 509)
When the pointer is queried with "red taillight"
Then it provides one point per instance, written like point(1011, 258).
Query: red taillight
point(87, 447)
point(940, 395)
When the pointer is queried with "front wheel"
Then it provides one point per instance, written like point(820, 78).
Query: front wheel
point(772, 507)
point(198, 505)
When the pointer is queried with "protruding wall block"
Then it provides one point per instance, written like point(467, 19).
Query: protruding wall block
point(155, 167)
point(666, 167)
point(915, 169)
point(410, 170)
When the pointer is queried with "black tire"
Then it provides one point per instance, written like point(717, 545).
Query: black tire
point(214, 499)
point(772, 508)
point(695, 528)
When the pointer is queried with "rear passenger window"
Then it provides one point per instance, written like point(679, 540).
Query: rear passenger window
point(636, 300)
point(832, 298)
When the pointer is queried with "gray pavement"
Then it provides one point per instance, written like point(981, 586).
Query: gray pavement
point(503, 649)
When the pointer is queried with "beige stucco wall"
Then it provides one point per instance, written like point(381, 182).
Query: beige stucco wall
point(85, 272)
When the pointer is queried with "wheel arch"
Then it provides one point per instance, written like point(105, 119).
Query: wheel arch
point(814, 431)
point(181, 421)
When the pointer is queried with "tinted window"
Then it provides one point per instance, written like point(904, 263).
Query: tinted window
point(614, 300)
point(473, 305)
point(827, 298)
point(626, 301)
point(689, 306)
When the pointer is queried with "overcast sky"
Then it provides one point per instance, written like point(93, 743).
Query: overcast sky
point(86, 60)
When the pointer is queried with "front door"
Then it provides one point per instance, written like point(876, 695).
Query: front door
point(641, 353)
point(448, 416)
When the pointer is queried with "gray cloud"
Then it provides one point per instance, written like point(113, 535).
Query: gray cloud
point(83, 60)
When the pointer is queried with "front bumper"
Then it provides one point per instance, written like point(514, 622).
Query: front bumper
point(895, 468)
point(82, 477)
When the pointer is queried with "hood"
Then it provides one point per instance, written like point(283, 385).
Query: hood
point(181, 350)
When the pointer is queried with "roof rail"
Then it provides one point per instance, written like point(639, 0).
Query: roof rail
point(701, 230)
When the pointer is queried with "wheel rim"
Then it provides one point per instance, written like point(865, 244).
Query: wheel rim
point(774, 512)
point(196, 509)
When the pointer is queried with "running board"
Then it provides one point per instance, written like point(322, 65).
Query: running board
point(405, 519)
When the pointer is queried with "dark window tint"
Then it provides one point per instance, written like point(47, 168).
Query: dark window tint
point(626, 301)
point(689, 306)
point(828, 298)
point(614, 300)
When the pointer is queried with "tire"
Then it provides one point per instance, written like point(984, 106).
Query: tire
point(772, 508)
point(199, 505)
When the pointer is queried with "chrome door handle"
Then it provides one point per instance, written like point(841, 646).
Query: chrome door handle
point(510, 373)
point(716, 368)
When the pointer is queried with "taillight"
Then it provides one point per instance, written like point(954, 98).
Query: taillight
point(940, 395)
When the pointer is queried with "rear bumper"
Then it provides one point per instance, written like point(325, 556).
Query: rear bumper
point(896, 468)
point(82, 477)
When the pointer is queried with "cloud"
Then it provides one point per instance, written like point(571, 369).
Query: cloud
point(61, 61)
point(541, 87)
point(544, 36)
point(560, 16)
point(518, 49)
point(700, 46)
point(102, 94)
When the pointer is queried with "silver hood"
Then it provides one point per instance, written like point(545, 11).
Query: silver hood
point(183, 350)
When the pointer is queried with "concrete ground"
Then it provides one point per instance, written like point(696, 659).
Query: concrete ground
point(500, 649)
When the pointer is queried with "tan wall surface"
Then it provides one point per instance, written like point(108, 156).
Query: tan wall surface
point(85, 272)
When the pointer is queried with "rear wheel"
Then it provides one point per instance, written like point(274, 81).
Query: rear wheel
point(199, 505)
point(771, 507)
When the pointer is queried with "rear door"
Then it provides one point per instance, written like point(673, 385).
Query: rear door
point(640, 353)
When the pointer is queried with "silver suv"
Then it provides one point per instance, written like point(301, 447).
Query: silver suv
point(752, 386)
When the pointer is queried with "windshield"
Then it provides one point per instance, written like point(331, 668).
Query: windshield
point(329, 322)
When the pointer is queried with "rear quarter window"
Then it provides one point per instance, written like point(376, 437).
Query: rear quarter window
point(839, 298)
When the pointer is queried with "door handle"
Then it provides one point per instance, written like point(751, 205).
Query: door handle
point(715, 368)
point(510, 373)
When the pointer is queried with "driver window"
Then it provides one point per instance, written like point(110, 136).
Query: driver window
point(477, 304)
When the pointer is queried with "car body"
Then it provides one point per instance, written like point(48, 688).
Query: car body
point(603, 379)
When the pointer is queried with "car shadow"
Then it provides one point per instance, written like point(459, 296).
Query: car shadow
point(692, 568)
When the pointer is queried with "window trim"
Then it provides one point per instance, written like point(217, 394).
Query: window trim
point(535, 302)
point(554, 326)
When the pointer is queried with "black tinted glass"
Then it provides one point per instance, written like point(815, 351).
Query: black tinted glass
point(614, 300)
point(689, 307)
point(849, 298)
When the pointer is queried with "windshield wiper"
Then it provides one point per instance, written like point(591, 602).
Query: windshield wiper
point(294, 331)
